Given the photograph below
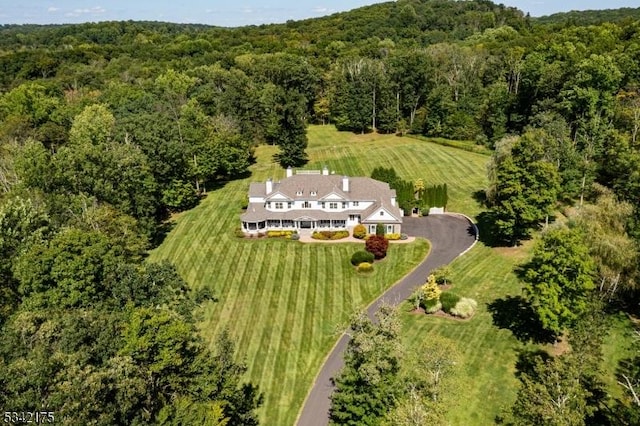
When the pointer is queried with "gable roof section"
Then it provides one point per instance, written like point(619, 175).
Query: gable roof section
point(278, 195)
point(372, 214)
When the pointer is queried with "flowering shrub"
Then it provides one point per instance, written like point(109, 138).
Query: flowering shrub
point(392, 236)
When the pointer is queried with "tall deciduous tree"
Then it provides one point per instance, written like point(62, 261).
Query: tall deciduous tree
point(367, 386)
point(558, 279)
point(525, 188)
point(551, 394)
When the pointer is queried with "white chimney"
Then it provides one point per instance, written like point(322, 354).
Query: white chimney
point(345, 183)
point(325, 171)
point(393, 201)
point(269, 186)
point(289, 172)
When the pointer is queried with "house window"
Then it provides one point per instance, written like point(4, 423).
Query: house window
point(306, 205)
point(273, 223)
point(339, 223)
point(279, 206)
point(322, 204)
point(333, 205)
point(289, 204)
point(355, 203)
point(269, 204)
point(344, 205)
point(389, 229)
point(287, 224)
point(324, 224)
point(381, 213)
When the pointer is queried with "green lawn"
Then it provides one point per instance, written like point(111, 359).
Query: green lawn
point(488, 353)
point(283, 301)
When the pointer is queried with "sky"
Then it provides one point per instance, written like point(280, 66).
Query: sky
point(230, 13)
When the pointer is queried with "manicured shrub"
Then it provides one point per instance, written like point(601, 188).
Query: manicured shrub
point(295, 237)
point(361, 256)
point(392, 237)
point(278, 234)
point(338, 235)
point(431, 306)
point(430, 289)
point(377, 246)
point(365, 267)
point(404, 236)
point(329, 235)
point(443, 275)
point(464, 308)
point(449, 301)
point(359, 231)
point(380, 230)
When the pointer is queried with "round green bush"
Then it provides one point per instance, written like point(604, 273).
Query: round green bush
point(431, 306)
point(365, 267)
point(464, 308)
point(449, 301)
point(361, 256)
point(295, 237)
point(404, 236)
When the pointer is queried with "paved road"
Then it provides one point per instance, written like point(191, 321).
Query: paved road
point(450, 235)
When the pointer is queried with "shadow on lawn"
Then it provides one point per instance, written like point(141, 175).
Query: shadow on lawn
point(516, 314)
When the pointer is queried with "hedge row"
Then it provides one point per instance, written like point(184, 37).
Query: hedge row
point(278, 234)
point(329, 235)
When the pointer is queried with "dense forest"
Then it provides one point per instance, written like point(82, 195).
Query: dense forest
point(108, 128)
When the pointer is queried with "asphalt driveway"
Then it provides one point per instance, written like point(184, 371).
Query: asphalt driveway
point(450, 235)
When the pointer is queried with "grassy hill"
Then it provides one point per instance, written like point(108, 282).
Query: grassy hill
point(284, 301)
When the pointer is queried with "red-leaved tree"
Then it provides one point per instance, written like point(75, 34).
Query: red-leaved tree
point(377, 246)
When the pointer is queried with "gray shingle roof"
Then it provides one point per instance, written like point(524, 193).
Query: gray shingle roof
point(360, 189)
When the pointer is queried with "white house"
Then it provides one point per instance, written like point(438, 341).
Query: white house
point(314, 199)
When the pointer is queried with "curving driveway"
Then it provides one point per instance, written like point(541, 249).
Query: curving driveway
point(450, 236)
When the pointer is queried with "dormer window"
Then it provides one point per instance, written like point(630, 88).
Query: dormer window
point(314, 193)
point(299, 192)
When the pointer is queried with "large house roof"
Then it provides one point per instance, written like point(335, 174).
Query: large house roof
point(360, 188)
point(320, 187)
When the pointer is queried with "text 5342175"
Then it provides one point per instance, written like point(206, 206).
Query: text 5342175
point(28, 417)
